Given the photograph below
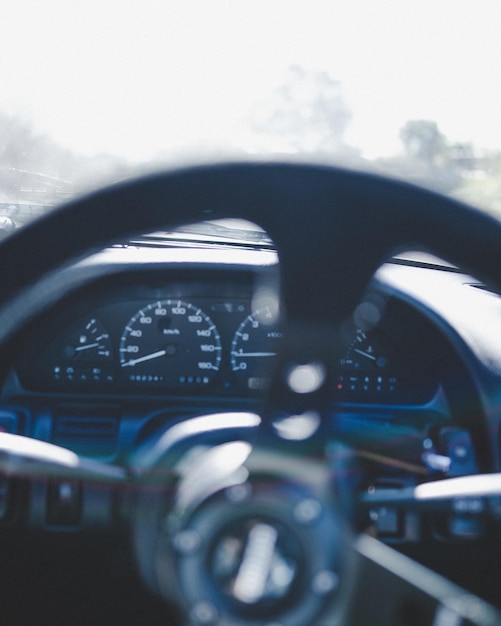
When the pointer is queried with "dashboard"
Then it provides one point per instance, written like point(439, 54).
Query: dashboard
point(133, 348)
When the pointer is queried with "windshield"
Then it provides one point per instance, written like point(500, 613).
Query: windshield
point(94, 92)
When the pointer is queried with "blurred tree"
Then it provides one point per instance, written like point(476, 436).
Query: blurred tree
point(17, 141)
point(423, 140)
point(32, 167)
point(481, 185)
point(456, 168)
point(35, 169)
point(307, 114)
point(428, 158)
point(462, 156)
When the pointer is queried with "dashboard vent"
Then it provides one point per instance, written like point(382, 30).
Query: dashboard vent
point(88, 436)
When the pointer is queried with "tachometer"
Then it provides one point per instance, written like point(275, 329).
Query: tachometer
point(254, 347)
point(172, 343)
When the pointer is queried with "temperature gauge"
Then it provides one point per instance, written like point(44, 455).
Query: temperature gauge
point(365, 353)
point(368, 367)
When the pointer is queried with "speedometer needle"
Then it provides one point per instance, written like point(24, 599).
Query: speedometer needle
point(147, 357)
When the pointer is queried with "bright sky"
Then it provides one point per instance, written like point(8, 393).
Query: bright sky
point(139, 77)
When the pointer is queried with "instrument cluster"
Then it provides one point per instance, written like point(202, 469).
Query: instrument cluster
point(186, 337)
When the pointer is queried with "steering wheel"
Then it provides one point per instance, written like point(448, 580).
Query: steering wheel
point(265, 482)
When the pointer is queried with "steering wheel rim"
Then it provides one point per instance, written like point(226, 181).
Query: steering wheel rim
point(333, 218)
point(345, 221)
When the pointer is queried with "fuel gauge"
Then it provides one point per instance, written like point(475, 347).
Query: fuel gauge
point(88, 342)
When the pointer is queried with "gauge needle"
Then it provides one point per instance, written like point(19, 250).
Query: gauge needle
point(147, 357)
point(87, 346)
point(240, 353)
point(366, 354)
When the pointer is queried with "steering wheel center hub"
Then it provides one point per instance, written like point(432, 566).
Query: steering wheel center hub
point(274, 556)
point(257, 562)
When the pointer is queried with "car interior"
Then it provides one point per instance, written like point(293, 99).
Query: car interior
point(250, 300)
point(293, 421)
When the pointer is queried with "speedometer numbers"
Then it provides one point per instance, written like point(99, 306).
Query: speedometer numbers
point(254, 347)
point(172, 343)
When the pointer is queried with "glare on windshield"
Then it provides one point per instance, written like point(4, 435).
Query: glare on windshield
point(97, 92)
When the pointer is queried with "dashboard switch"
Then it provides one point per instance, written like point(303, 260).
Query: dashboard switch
point(456, 443)
point(387, 521)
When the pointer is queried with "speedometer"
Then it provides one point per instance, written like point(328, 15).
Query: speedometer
point(171, 343)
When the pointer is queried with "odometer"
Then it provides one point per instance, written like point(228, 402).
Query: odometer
point(172, 343)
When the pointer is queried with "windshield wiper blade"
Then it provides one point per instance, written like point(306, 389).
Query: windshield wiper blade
point(207, 233)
